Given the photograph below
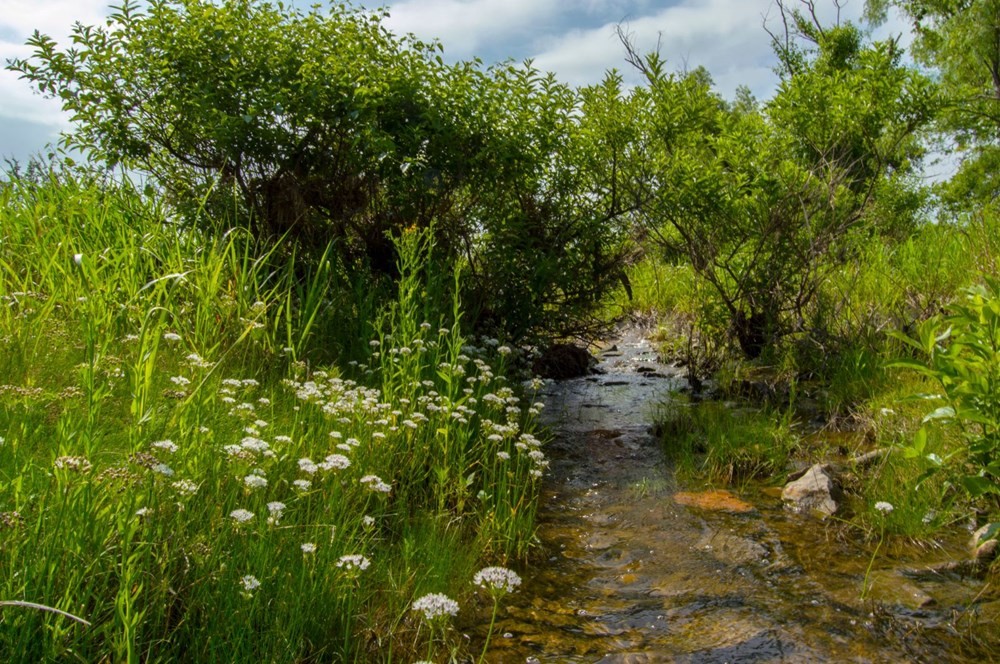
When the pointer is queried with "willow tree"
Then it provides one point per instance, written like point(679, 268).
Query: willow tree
point(960, 41)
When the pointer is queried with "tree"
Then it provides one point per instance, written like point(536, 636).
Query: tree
point(961, 40)
point(764, 201)
point(330, 128)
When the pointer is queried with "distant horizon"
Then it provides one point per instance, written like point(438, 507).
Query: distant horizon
point(575, 40)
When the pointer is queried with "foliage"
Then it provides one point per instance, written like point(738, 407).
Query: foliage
point(961, 40)
point(178, 469)
point(726, 444)
point(331, 129)
point(961, 353)
point(766, 202)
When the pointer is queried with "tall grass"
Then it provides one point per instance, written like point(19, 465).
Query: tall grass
point(184, 471)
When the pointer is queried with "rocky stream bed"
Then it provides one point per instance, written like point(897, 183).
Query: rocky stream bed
point(637, 569)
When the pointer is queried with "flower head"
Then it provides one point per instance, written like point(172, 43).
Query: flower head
point(375, 483)
point(241, 515)
point(163, 469)
point(185, 487)
point(335, 461)
point(353, 562)
point(250, 583)
point(255, 481)
point(435, 605)
point(166, 445)
point(498, 580)
point(884, 507)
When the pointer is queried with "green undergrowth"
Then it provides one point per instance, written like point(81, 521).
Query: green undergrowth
point(214, 450)
point(723, 443)
point(895, 352)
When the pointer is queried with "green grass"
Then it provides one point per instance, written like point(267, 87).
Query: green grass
point(836, 369)
point(724, 443)
point(199, 430)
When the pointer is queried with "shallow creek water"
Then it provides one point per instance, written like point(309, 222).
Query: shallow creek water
point(633, 576)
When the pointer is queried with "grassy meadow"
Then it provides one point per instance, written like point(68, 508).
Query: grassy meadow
point(213, 451)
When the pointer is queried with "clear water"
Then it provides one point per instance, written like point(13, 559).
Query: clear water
point(628, 575)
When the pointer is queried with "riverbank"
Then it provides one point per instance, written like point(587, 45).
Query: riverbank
point(640, 565)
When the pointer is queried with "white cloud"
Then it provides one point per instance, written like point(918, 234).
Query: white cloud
point(727, 37)
point(464, 26)
point(55, 18)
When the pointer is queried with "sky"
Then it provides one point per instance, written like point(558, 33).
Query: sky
point(575, 39)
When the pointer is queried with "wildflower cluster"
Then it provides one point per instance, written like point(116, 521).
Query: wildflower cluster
point(435, 606)
point(497, 580)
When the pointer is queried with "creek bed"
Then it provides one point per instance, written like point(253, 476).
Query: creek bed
point(627, 574)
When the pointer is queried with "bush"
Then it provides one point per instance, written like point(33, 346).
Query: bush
point(329, 128)
point(961, 353)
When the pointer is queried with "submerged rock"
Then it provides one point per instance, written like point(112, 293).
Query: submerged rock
point(892, 587)
point(733, 549)
point(814, 491)
point(716, 500)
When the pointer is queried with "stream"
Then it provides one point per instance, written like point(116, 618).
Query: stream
point(628, 574)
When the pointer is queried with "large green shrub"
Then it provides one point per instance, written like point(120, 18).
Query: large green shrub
point(330, 128)
point(767, 201)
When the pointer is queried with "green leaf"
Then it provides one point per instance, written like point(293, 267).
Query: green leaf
point(991, 533)
point(978, 486)
point(944, 412)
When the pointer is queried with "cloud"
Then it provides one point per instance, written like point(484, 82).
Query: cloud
point(20, 19)
point(576, 38)
point(727, 37)
point(466, 26)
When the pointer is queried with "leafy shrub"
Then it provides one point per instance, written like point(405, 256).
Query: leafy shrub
point(961, 353)
point(329, 128)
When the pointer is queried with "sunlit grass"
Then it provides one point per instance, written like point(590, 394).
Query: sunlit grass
point(185, 465)
point(833, 374)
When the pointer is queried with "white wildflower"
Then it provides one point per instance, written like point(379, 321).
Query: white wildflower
point(335, 462)
point(241, 515)
point(435, 605)
point(497, 579)
point(163, 469)
point(375, 483)
point(185, 487)
point(884, 507)
point(353, 562)
point(255, 481)
point(166, 446)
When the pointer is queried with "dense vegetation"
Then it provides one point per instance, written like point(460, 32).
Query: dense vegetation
point(266, 404)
